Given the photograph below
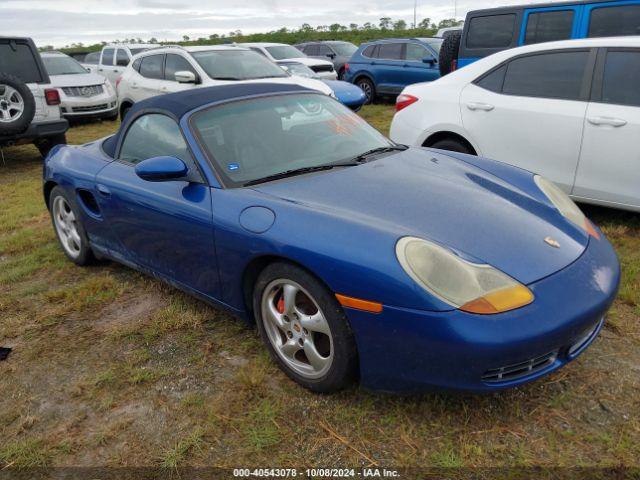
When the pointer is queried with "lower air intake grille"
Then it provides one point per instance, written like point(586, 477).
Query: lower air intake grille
point(519, 370)
point(322, 68)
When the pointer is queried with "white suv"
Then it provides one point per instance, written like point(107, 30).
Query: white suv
point(280, 52)
point(114, 59)
point(174, 68)
point(568, 110)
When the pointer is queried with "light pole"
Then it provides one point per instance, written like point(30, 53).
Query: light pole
point(415, 7)
point(455, 9)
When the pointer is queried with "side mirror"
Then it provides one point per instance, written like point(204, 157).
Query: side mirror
point(160, 169)
point(331, 55)
point(88, 69)
point(185, 77)
point(429, 60)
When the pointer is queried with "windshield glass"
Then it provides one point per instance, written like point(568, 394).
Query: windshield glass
point(281, 52)
point(344, 49)
point(434, 43)
point(62, 66)
point(237, 65)
point(298, 70)
point(251, 139)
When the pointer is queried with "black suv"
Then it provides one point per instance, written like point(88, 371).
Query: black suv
point(337, 52)
point(29, 106)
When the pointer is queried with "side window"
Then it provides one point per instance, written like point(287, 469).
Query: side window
point(311, 50)
point(151, 66)
point(620, 81)
point(177, 63)
point(107, 56)
point(549, 26)
point(136, 64)
point(92, 58)
point(258, 50)
point(324, 51)
point(615, 21)
point(122, 58)
point(494, 80)
point(369, 51)
point(390, 51)
point(415, 52)
point(154, 135)
point(494, 31)
point(549, 75)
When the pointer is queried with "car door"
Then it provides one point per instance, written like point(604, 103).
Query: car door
point(529, 112)
point(149, 82)
point(389, 67)
point(609, 168)
point(420, 65)
point(105, 67)
point(166, 226)
point(176, 63)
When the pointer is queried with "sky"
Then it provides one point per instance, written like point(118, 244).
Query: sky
point(62, 22)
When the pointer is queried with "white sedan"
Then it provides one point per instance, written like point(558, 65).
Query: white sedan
point(568, 110)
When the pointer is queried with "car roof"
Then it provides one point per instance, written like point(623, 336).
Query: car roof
point(180, 103)
point(263, 44)
point(536, 5)
point(132, 45)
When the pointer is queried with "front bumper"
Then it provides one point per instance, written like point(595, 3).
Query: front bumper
point(98, 106)
point(327, 75)
point(409, 350)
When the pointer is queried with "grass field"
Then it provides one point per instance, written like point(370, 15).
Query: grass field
point(113, 368)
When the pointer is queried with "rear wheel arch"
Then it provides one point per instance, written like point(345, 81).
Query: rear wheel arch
point(124, 106)
point(46, 190)
point(447, 135)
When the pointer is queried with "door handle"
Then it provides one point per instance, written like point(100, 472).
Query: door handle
point(102, 190)
point(612, 122)
point(116, 71)
point(99, 69)
point(473, 106)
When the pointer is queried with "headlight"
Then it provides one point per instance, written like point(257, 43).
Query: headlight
point(474, 288)
point(567, 208)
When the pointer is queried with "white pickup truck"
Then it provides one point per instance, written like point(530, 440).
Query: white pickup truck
point(113, 59)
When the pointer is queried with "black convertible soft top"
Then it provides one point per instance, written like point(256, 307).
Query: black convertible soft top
point(180, 103)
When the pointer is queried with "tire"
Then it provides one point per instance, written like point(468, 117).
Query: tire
point(69, 228)
point(124, 111)
point(17, 105)
point(449, 52)
point(313, 322)
point(341, 73)
point(44, 145)
point(113, 117)
point(368, 88)
point(452, 145)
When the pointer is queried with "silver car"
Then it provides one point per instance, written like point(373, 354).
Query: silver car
point(82, 94)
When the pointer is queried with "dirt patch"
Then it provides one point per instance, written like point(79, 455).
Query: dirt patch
point(129, 310)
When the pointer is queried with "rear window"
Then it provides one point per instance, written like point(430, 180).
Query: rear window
point(18, 59)
point(151, 66)
point(620, 82)
point(494, 80)
point(549, 26)
point(92, 58)
point(107, 56)
point(495, 31)
point(390, 51)
point(369, 51)
point(615, 21)
point(550, 75)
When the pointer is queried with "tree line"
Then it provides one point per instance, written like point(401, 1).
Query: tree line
point(354, 33)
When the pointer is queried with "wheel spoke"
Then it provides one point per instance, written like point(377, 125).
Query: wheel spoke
point(72, 246)
point(275, 317)
point(289, 293)
point(315, 323)
point(290, 348)
point(316, 360)
point(74, 235)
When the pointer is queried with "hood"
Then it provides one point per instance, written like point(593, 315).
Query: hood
point(346, 92)
point(309, 61)
point(433, 196)
point(77, 80)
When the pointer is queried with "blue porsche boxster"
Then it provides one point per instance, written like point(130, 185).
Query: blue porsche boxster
point(407, 268)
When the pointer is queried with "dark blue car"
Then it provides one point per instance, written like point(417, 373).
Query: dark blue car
point(356, 257)
point(385, 67)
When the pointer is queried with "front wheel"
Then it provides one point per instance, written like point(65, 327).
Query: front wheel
point(368, 88)
point(304, 328)
point(452, 145)
point(69, 229)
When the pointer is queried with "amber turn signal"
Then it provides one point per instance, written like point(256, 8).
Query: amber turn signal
point(500, 301)
point(359, 304)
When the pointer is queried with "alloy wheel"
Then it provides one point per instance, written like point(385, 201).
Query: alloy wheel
point(11, 104)
point(66, 227)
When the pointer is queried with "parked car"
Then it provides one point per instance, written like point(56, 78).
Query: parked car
point(82, 94)
point(115, 58)
point(339, 53)
point(29, 105)
point(258, 198)
point(489, 31)
point(278, 52)
point(173, 69)
point(348, 94)
point(385, 67)
point(568, 110)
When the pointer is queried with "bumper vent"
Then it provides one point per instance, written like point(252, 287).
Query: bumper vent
point(92, 108)
point(322, 68)
point(88, 91)
point(519, 370)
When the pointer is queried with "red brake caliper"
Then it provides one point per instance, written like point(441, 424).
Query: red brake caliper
point(280, 304)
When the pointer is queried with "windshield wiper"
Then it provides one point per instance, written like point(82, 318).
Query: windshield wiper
point(375, 151)
point(269, 76)
point(298, 171)
point(226, 78)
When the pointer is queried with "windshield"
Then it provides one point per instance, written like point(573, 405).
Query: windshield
point(62, 65)
point(434, 43)
point(344, 49)
point(298, 70)
point(237, 65)
point(251, 139)
point(281, 52)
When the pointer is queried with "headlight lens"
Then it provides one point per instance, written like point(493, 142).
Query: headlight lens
point(567, 208)
point(474, 288)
